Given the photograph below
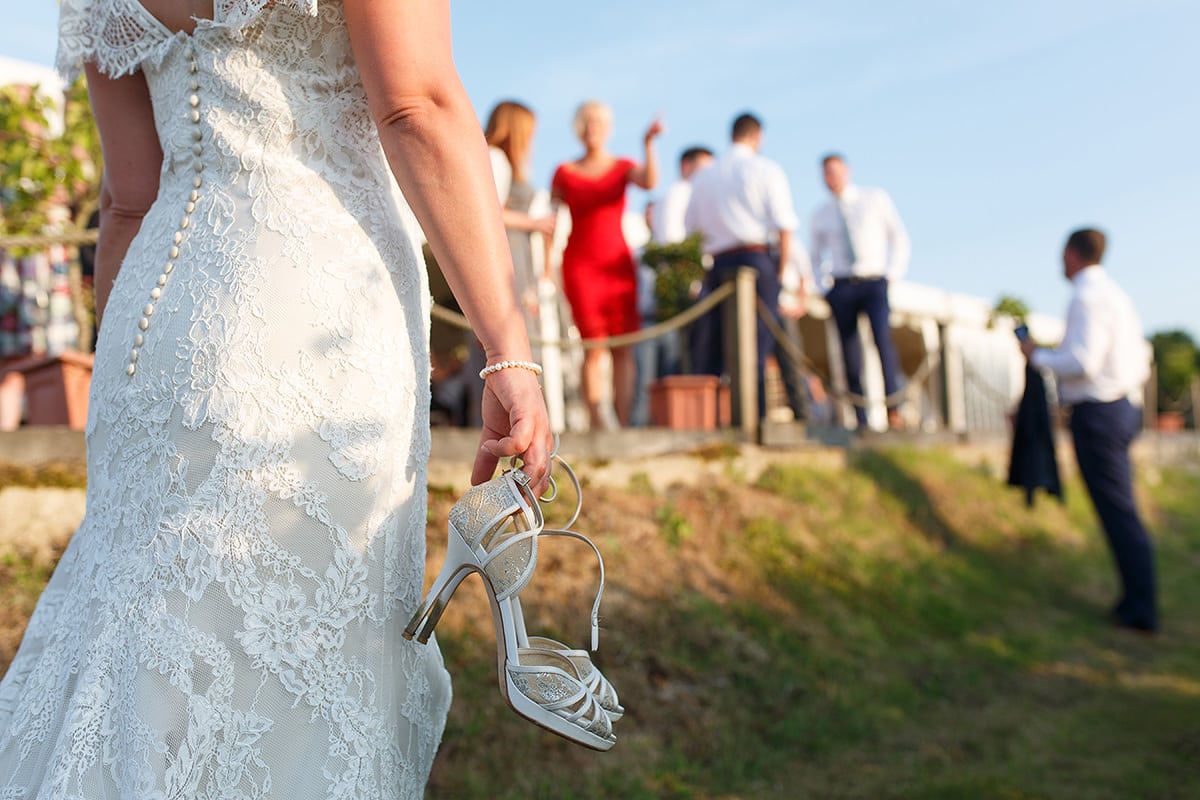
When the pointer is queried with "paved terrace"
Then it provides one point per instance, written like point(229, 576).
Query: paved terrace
point(454, 448)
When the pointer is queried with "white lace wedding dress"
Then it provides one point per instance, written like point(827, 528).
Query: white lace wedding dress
point(227, 619)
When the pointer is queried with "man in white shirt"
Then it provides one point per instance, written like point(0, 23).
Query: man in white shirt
point(859, 245)
point(742, 205)
point(667, 221)
point(1102, 362)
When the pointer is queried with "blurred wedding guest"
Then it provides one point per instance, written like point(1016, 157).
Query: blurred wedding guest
point(742, 205)
point(859, 246)
point(667, 224)
point(1102, 362)
point(597, 270)
point(509, 135)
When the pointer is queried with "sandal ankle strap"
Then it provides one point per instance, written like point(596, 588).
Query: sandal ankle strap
point(600, 591)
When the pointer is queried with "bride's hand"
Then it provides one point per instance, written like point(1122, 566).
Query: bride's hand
point(515, 423)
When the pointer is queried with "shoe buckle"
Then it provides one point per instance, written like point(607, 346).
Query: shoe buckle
point(520, 477)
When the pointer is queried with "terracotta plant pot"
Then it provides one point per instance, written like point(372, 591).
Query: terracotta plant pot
point(688, 402)
point(1170, 421)
point(56, 389)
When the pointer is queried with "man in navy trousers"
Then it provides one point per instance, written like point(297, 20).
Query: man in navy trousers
point(1102, 363)
point(859, 248)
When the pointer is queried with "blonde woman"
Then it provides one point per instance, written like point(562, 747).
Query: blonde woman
point(597, 271)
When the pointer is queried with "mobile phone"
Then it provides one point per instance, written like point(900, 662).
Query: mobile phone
point(1022, 332)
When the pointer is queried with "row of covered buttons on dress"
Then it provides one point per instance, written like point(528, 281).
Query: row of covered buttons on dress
point(180, 232)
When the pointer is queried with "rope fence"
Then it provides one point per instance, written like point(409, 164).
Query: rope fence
point(928, 364)
point(671, 325)
point(699, 309)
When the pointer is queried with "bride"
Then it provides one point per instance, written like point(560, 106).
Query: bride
point(227, 619)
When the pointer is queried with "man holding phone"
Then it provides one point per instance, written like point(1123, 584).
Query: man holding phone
point(1102, 363)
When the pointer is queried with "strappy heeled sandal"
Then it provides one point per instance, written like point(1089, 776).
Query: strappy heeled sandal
point(591, 676)
point(493, 530)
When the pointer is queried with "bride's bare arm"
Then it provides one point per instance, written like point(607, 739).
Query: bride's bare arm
point(132, 160)
point(436, 150)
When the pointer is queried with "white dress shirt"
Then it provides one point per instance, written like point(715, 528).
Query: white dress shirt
point(742, 199)
point(667, 223)
point(859, 234)
point(1103, 356)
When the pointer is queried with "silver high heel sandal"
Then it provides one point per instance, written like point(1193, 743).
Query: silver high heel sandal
point(591, 676)
point(493, 531)
point(595, 681)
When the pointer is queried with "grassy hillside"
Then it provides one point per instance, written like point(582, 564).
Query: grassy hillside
point(905, 628)
point(901, 628)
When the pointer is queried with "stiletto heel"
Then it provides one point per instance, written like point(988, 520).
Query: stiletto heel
point(493, 530)
point(454, 569)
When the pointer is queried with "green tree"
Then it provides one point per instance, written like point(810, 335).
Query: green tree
point(1009, 306)
point(679, 267)
point(1178, 361)
point(39, 170)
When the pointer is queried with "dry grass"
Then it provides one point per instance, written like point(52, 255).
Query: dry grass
point(22, 578)
point(61, 474)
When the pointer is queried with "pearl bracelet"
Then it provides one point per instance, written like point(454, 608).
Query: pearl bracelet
point(536, 369)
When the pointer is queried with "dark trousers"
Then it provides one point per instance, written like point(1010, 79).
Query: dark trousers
point(847, 299)
point(708, 340)
point(1102, 433)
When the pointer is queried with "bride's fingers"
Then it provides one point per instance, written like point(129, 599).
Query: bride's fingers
point(532, 449)
point(484, 466)
point(536, 460)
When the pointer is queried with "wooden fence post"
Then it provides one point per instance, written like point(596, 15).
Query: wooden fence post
point(745, 368)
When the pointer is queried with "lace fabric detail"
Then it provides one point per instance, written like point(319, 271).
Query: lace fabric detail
point(545, 687)
point(492, 520)
point(121, 35)
point(550, 684)
point(480, 509)
point(224, 621)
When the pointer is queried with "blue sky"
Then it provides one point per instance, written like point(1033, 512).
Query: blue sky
point(996, 128)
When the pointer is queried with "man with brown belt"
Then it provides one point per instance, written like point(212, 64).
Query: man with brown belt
point(742, 206)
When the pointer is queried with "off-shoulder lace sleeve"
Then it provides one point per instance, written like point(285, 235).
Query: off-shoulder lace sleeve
point(74, 38)
point(120, 36)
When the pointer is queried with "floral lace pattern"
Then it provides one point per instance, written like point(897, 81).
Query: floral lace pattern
point(226, 620)
point(496, 520)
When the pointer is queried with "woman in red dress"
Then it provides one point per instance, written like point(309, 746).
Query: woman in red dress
point(597, 271)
